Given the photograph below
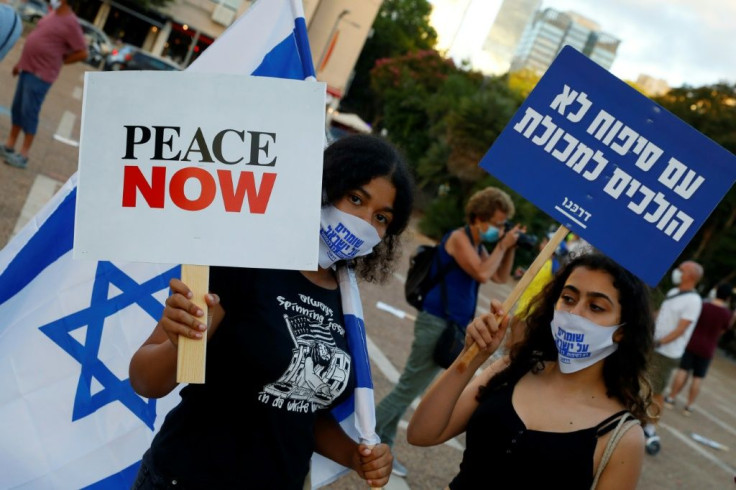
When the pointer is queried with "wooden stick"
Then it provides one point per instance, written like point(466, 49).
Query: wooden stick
point(191, 354)
point(523, 283)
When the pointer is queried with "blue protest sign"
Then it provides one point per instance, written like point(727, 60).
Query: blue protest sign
point(610, 164)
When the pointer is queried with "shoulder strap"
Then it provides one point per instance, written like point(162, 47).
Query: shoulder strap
point(607, 425)
point(621, 428)
point(679, 293)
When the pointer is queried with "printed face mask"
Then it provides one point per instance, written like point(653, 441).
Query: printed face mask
point(344, 236)
point(490, 235)
point(580, 342)
point(676, 277)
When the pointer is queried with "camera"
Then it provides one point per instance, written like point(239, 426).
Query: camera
point(525, 241)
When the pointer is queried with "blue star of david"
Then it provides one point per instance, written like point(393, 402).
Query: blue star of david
point(101, 307)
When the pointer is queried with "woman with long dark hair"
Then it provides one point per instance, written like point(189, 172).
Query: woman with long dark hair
point(552, 409)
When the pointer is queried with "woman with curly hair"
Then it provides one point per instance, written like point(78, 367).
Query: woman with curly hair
point(278, 352)
point(547, 411)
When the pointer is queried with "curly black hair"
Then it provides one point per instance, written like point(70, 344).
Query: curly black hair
point(355, 160)
point(624, 371)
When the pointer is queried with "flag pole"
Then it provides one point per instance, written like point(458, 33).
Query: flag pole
point(191, 354)
point(523, 283)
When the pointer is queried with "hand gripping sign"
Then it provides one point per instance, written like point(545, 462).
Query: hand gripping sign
point(611, 165)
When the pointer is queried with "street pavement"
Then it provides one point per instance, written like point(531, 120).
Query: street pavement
point(683, 462)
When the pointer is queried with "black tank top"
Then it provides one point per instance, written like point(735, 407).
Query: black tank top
point(499, 448)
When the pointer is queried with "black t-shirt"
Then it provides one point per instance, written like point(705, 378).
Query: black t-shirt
point(279, 356)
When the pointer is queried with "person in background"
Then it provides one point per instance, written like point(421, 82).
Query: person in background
point(453, 299)
point(557, 407)
point(714, 320)
point(11, 28)
point(675, 323)
point(277, 355)
point(56, 40)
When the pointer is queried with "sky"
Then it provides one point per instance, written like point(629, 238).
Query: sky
point(681, 41)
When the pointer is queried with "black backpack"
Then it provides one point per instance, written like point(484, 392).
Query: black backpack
point(419, 280)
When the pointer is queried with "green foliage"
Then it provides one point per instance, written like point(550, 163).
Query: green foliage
point(401, 27)
point(711, 109)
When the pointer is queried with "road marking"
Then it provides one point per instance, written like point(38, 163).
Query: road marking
point(65, 128)
point(699, 449)
point(392, 374)
point(42, 190)
point(77, 93)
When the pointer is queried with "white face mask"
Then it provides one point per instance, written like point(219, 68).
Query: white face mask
point(55, 4)
point(676, 277)
point(344, 236)
point(580, 342)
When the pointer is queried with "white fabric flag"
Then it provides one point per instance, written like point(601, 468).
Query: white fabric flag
point(69, 328)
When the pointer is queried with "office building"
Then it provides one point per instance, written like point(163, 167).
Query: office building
point(551, 30)
point(502, 40)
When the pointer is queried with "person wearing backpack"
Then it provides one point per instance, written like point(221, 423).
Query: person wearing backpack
point(465, 263)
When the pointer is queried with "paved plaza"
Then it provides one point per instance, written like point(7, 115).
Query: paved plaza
point(683, 463)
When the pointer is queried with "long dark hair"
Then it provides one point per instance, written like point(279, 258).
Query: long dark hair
point(353, 161)
point(624, 371)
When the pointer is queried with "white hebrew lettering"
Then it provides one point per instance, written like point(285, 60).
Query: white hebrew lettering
point(672, 175)
point(612, 133)
point(564, 154)
point(628, 136)
point(601, 122)
point(530, 121)
point(617, 184)
point(580, 158)
point(663, 205)
point(602, 162)
point(564, 99)
point(686, 222)
point(553, 140)
point(584, 106)
point(549, 129)
point(642, 205)
point(649, 155)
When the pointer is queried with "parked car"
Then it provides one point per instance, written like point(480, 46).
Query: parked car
point(137, 59)
point(32, 10)
point(98, 44)
point(121, 53)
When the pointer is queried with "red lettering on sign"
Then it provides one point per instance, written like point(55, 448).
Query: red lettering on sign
point(206, 195)
point(133, 179)
point(257, 199)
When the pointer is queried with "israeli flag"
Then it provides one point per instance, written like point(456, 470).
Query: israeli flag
point(70, 418)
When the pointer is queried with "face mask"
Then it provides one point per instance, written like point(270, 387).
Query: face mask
point(490, 235)
point(55, 4)
point(580, 342)
point(344, 236)
point(676, 277)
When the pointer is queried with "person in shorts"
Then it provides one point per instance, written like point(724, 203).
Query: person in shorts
point(57, 40)
point(715, 318)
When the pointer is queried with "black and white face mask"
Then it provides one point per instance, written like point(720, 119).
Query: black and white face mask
point(344, 236)
point(580, 342)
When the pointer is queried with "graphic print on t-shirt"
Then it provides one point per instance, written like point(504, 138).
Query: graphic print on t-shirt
point(319, 370)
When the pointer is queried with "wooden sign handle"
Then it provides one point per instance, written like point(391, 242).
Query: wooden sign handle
point(523, 283)
point(191, 354)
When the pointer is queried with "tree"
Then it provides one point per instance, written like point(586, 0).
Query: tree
point(711, 109)
point(401, 27)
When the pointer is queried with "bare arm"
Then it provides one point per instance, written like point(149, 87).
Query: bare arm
point(80, 55)
point(372, 464)
point(624, 467)
point(496, 265)
point(677, 332)
point(447, 406)
point(152, 368)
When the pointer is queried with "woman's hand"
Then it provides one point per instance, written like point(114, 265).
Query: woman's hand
point(181, 316)
point(509, 239)
point(374, 464)
point(487, 331)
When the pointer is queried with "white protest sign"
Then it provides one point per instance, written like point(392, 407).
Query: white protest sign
point(196, 168)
